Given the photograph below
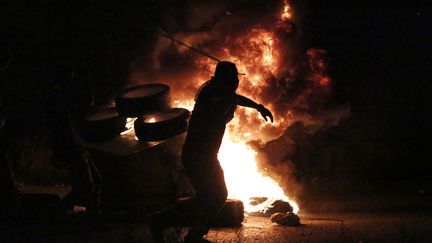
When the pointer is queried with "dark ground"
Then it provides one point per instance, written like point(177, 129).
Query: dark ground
point(361, 219)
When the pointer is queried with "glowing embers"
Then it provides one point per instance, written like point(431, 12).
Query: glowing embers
point(151, 120)
point(318, 67)
point(243, 180)
point(287, 11)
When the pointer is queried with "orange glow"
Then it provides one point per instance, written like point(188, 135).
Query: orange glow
point(287, 12)
point(186, 104)
point(243, 179)
point(271, 78)
point(291, 82)
point(257, 59)
point(324, 81)
point(151, 120)
point(129, 127)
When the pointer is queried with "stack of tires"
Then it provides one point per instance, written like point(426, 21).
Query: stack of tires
point(155, 119)
point(149, 104)
point(102, 124)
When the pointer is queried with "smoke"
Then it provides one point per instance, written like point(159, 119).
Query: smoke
point(214, 27)
point(283, 74)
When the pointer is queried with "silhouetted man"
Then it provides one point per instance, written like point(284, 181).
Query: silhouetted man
point(45, 90)
point(214, 107)
point(69, 151)
point(9, 204)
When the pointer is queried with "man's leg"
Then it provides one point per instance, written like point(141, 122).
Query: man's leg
point(211, 194)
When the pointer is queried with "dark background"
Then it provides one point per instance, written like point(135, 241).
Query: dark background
point(381, 56)
point(380, 59)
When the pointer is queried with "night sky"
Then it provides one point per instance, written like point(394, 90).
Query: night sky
point(380, 60)
point(381, 54)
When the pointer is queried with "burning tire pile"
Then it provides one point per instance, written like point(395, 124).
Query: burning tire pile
point(148, 105)
point(142, 99)
point(161, 125)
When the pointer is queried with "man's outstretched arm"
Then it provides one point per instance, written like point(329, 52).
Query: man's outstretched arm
point(243, 101)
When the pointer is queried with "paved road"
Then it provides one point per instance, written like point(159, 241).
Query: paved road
point(399, 227)
point(336, 227)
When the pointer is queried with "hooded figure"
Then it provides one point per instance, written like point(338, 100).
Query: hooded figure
point(215, 104)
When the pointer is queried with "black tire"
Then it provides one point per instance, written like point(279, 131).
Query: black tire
point(138, 100)
point(166, 124)
point(231, 215)
point(102, 124)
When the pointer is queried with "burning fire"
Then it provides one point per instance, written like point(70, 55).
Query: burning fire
point(243, 179)
point(151, 120)
point(287, 12)
point(266, 56)
point(256, 55)
point(129, 129)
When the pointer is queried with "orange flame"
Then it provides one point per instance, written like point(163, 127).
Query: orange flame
point(257, 58)
point(265, 55)
point(243, 179)
point(287, 12)
point(151, 120)
point(277, 76)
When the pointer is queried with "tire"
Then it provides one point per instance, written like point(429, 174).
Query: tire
point(138, 100)
point(102, 125)
point(162, 125)
point(231, 215)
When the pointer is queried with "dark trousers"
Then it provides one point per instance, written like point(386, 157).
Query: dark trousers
point(68, 150)
point(207, 178)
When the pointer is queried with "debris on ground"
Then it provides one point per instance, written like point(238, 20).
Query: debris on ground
point(278, 206)
point(286, 219)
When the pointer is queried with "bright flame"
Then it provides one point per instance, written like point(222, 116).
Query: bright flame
point(186, 104)
point(257, 55)
point(129, 127)
point(287, 12)
point(130, 131)
point(152, 120)
point(243, 179)
point(237, 159)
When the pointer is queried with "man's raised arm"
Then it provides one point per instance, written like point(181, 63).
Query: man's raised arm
point(265, 113)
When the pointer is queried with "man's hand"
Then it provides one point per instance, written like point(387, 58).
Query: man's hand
point(265, 113)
